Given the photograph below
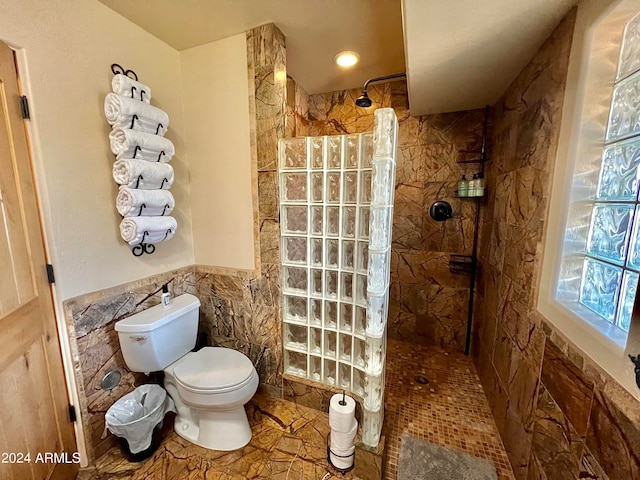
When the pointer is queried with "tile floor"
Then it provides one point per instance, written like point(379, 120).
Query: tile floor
point(289, 440)
point(288, 443)
point(451, 410)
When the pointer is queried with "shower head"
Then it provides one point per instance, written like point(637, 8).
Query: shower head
point(363, 100)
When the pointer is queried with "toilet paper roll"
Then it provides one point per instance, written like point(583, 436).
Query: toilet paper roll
point(341, 441)
point(345, 460)
point(342, 417)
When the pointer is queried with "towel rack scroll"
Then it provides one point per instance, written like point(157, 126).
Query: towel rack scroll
point(147, 248)
point(118, 69)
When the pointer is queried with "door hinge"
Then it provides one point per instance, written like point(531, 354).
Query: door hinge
point(72, 414)
point(24, 107)
point(50, 276)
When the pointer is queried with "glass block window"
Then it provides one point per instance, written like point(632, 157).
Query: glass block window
point(612, 254)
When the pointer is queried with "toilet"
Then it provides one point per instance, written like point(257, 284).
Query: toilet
point(209, 387)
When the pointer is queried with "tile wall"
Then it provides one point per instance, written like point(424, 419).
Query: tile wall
point(559, 416)
point(96, 350)
point(557, 413)
point(428, 304)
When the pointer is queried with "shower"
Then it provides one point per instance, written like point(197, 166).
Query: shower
point(363, 100)
point(336, 210)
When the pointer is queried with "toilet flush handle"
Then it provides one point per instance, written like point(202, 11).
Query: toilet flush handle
point(138, 339)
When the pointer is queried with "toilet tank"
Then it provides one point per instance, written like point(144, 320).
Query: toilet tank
point(156, 337)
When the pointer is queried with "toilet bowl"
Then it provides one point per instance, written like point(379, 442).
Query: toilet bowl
point(209, 387)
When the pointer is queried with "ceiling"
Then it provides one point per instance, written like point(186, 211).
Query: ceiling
point(463, 54)
point(460, 54)
point(316, 30)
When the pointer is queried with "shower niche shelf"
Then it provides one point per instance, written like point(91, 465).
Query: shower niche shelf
point(467, 197)
point(463, 264)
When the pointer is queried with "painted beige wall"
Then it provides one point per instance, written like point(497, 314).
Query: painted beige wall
point(216, 105)
point(66, 49)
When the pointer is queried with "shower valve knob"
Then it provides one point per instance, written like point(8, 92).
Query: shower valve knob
point(441, 211)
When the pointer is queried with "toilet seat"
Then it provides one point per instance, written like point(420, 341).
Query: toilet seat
point(214, 370)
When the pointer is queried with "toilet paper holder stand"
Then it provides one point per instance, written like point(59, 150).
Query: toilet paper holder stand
point(329, 452)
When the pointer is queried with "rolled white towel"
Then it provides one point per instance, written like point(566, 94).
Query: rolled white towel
point(133, 114)
point(136, 230)
point(127, 143)
point(142, 174)
point(132, 202)
point(128, 87)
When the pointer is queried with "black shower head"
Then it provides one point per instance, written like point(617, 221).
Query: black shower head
point(363, 100)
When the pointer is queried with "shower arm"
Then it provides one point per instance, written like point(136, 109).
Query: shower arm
point(382, 79)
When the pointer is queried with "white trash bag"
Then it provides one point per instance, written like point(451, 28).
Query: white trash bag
point(135, 415)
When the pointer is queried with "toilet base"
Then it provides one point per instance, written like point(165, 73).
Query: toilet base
point(223, 430)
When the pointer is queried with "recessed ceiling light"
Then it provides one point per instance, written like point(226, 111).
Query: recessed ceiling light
point(347, 59)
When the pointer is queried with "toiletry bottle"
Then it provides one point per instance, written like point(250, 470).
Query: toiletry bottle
point(480, 186)
point(463, 187)
point(473, 185)
point(166, 296)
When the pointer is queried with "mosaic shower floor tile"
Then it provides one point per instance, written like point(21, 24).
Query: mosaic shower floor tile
point(437, 396)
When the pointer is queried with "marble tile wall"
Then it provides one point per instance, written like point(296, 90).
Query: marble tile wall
point(559, 416)
point(428, 304)
point(241, 311)
point(96, 350)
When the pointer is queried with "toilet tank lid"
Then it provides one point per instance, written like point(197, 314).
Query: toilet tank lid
point(154, 317)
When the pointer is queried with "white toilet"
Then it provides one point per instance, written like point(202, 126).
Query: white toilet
point(209, 387)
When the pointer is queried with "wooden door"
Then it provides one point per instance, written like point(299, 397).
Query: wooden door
point(34, 417)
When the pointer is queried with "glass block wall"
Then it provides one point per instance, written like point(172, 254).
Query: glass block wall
point(612, 257)
point(336, 212)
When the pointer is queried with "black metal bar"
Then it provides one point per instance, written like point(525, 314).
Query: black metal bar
point(117, 69)
point(474, 251)
point(142, 92)
point(381, 79)
point(160, 156)
point(472, 281)
point(158, 127)
point(162, 184)
point(329, 452)
point(135, 150)
point(140, 177)
point(474, 160)
point(133, 120)
point(141, 207)
point(135, 75)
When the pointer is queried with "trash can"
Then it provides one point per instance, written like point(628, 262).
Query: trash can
point(137, 419)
